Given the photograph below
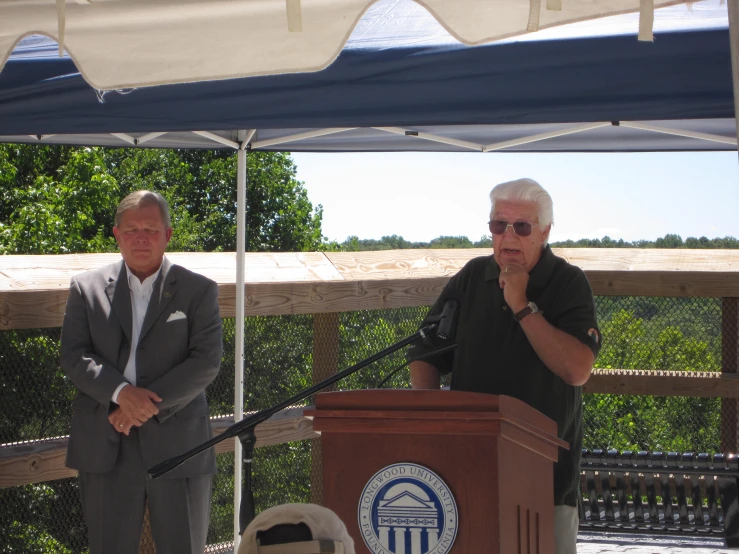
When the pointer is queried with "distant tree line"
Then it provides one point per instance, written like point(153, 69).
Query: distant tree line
point(395, 242)
point(668, 241)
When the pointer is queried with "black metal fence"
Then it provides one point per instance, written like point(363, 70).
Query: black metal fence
point(285, 354)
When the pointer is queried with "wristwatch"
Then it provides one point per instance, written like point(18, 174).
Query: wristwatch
point(530, 308)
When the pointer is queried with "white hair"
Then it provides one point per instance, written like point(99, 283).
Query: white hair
point(525, 190)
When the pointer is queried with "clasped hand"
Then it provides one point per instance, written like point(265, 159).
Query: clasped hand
point(136, 407)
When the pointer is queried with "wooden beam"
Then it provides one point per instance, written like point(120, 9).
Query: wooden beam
point(33, 289)
point(39, 461)
point(342, 296)
point(34, 462)
point(663, 283)
point(663, 383)
point(326, 334)
point(41, 309)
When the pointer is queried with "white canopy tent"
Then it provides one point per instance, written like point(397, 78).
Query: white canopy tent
point(134, 43)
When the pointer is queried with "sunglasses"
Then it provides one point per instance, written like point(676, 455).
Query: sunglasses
point(521, 228)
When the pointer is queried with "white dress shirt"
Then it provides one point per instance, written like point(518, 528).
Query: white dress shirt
point(140, 296)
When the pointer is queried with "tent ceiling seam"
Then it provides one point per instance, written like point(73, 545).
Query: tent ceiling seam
point(218, 138)
point(125, 138)
point(432, 137)
point(542, 136)
point(679, 132)
point(299, 136)
point(147, 137)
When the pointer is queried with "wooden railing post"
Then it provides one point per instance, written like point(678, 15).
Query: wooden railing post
point(729, 362)
point(325, 364)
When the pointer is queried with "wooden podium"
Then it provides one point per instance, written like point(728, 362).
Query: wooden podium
point(495, 453)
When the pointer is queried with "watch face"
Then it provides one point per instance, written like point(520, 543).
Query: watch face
point(534, 308)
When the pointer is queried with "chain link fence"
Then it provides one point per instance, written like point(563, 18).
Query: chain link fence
point(677, 334)
point(285, 354)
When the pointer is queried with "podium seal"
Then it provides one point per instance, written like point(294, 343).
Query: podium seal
point(407, 509)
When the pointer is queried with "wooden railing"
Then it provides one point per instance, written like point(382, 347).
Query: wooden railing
point(33, 292)
point(39, 461)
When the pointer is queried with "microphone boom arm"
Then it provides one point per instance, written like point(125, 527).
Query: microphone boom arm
point(250, 422)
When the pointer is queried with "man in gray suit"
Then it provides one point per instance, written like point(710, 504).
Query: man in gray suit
point(141, 341)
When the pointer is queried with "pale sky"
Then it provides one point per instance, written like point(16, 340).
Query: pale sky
point(421, 196)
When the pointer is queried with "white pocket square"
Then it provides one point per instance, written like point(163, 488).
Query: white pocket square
point(174, 316)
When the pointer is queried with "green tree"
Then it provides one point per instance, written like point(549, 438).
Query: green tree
point(669, 241)
point(451, 242)
point(65, 212)
point(201, 189)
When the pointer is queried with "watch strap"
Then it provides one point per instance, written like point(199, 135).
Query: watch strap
point(530, 308)
point(523, 313)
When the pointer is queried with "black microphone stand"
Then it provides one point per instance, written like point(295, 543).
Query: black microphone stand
point(244, 429)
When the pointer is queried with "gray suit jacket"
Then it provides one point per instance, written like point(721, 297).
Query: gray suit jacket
point(176, 359)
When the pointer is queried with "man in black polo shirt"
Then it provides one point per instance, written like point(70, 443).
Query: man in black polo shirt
point(526, 328)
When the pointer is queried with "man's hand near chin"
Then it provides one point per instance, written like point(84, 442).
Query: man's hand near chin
point(513, 280)
point(137, 404)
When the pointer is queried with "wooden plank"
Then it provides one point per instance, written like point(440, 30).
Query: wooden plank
point(40, 309)
point(33, 289)
point(663, 383)
point(39, 461)
point(325, 364)
point(33, 462)
point(652, 259)
point(29, 309)
point(54, 272)
point(406, 264)
point(664, 283)
point(342, 296)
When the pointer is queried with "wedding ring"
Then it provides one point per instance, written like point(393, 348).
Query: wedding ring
point(120, 425)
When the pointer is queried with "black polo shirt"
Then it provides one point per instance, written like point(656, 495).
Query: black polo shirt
point(494, 355)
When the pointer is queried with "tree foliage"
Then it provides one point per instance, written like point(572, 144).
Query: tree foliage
point(395, 242)
point(61, 200)
point(61, 212)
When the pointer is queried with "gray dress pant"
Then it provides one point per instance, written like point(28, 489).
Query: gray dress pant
point(566, 523)
point(114, 504)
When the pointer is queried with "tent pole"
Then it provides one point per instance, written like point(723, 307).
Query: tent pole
point(241, 178)
point(734, 37)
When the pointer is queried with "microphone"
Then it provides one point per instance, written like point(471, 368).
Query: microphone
point(446, 319)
